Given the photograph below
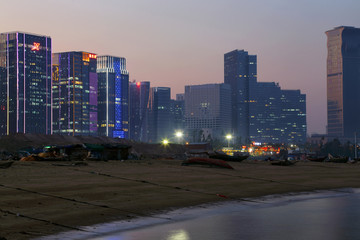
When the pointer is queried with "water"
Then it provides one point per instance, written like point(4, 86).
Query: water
point(326, 215)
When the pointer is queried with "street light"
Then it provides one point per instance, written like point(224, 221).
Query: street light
point(179, 135)
point(228, 137)
point(165, 142)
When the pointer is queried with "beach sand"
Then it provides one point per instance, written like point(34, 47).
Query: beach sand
point(43, 198)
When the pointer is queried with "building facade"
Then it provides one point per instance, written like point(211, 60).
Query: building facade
point(25, 83)
point(139, 101)
point(343, 82)
point(113, 97)
point(75, 93)
point(276, 115)
point(159, 114)
point(240, 69)
point(207, 111)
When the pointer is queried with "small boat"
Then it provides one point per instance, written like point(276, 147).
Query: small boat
point(316, 159)
point(337, 159)
point(207, 161)
point(228, 158)
point(283, 163)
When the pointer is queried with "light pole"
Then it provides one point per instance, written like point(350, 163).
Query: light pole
point(228, 137)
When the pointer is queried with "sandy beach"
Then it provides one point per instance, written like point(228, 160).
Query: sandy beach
point(43, 198)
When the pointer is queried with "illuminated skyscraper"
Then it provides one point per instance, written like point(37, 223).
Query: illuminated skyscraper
point(343, 81)
point(75, 89)
point(240, 69)
point(25, 83)
point(113, 98)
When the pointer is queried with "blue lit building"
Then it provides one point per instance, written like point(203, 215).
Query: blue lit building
point(75, 88)
point(113, 97)
point(25, 83)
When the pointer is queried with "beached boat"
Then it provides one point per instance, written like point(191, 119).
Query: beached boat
point(283, 163)
point(339, 160)
point(316, 159)
point(207, 161)
point(228, 158)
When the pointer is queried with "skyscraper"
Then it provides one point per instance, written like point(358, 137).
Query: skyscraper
point(113, 97)
point(343, 81)
point(25, 83)
point(139, 100)
point(75, 88)
point(159, 114)
point(207, 111)
point(240, 69)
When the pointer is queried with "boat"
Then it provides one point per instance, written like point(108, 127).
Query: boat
point(337, 159)
point(228, 158)
point(206, 161)
point(283, 163)
point(316, 159)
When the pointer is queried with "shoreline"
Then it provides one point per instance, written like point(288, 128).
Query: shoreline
point(74, 196)
point(200, 211)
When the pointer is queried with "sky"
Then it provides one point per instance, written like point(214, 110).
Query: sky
point(174, 43)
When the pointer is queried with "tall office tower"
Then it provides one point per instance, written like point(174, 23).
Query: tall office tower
point(113, 97)
point(25, 83)
point(177, 110)
point(139, 100)
point(343, 81)
point(293, 116)
point(159, 114)
point(75, 89)
point(240, 69)
point(276, 115)
point(208, 111)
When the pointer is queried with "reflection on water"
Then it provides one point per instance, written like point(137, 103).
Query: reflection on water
point(329, 216)
point(178, 235)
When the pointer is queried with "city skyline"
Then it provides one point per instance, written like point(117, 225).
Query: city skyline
point(173, 44)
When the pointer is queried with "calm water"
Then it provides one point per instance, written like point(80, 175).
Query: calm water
point(327, 215)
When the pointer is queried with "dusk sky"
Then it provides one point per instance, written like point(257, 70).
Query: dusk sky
point(176, 43)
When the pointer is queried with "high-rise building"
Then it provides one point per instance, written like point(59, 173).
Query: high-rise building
point(139, 100)
point(25, 83)
point(343, 81)
point(178, 113)
point(113, 97)
point(159, 114)
point(262, 111)
point(276, 115)
point(240, 69)
point(75, 93)
point(207, 111)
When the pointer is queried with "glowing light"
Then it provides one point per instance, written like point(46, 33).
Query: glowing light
point(92, 56)
point(228, 137)
point(165, 142)
point(138, 84)
point(179, 134)
point(36, 47)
